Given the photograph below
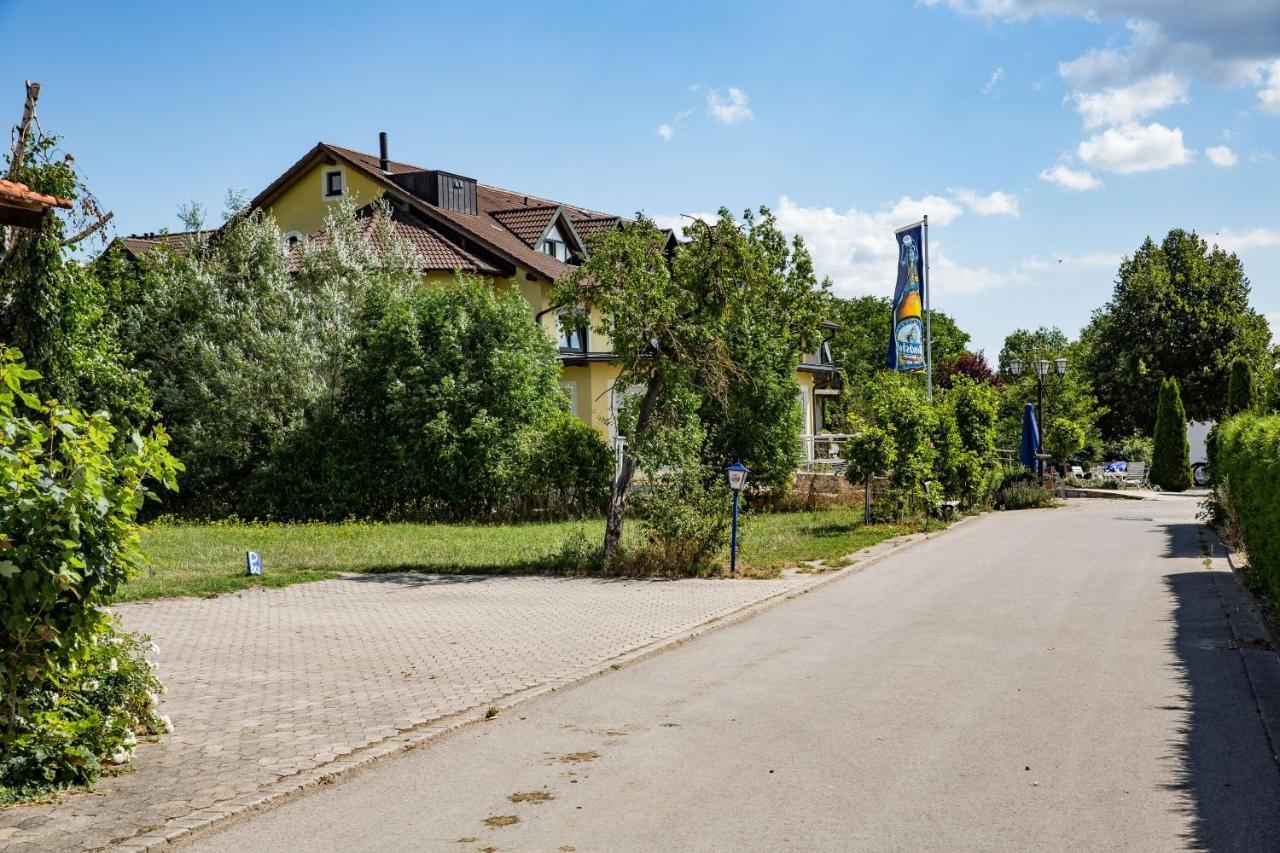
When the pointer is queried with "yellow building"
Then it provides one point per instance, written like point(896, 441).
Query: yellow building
point(525, 241)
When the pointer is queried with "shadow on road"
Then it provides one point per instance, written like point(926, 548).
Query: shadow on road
point(1228, 773)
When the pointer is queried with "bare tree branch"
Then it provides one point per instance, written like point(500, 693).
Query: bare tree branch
point(24, 128)
point(71, 241)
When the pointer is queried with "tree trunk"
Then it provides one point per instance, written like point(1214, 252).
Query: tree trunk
point(618, 493)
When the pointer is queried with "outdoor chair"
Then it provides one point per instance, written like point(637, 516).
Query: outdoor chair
point(1136, 474)
point(1077, 472)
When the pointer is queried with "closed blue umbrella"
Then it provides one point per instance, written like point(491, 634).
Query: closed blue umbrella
point(1030, 446)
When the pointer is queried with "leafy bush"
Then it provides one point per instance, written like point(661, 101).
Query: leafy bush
point(1064, 439)
point(964, 439)
point(68, 539)
point(1023, 496)
point(88, 716)
point(685, 517)
point(568, 465)
point(1248, 483)
point(443, 394)
point(1170, 455)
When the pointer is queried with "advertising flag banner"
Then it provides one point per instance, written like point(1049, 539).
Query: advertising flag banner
point(906, 344)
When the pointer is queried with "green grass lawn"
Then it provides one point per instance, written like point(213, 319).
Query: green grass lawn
point(208, 559)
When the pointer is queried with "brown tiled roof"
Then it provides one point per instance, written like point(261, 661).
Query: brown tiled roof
point(433, 250)
point(20, 195)
point(527, 223)
point(482, 228)
point(586, 228)
point(136, 244)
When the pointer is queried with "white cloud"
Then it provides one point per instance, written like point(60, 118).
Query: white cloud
point(1236, 241)
point(1134, 148)
point(993, 81)
point(666, 131)
point(857, 248)
point(730, 111)
point(995, 204)
point(1228, 42)
point(678, 222)
point(1221, 155)
point(1121, 104)
point(1269, 94)
point(1273, 320)
point(1080, 180)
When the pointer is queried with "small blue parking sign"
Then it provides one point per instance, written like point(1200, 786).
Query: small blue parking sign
point(252, 563)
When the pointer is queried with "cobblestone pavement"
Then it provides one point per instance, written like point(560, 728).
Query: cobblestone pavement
point(269, 686)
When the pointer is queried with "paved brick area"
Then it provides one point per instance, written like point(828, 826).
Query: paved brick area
point(268, 686)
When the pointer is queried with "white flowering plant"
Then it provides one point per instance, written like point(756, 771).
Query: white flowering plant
point(89, 716)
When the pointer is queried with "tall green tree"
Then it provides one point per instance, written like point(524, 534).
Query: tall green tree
point(1179, 309)
point(229, 350)
point(858, 348)
point(1171, 454)
point(767, 329)
point(1240, 390)
point(54, 308)
point(1069, 397)
point(680, 325)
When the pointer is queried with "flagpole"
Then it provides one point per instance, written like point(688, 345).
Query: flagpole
point(928, 330)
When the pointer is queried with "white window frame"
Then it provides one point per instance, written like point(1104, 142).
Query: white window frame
point(324, 182)
point(291, 236)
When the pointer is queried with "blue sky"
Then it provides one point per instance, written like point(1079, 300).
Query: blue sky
point(1045, 138)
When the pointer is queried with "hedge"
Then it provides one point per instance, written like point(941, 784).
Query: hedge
point(1248, 459)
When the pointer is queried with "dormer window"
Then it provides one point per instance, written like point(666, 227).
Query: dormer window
point(333, 183)
point(555, 244)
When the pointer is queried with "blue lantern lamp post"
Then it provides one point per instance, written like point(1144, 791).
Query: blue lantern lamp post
point(737, 474)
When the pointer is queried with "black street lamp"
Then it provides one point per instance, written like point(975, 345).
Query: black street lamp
point(737, 474)
point(1041, 367)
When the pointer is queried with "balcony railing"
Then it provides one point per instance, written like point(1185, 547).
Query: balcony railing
point(822, 451)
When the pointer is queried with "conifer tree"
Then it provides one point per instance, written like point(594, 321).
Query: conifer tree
point(1171, 455)
point(1240, 389)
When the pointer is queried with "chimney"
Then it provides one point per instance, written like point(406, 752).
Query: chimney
point(383, 163)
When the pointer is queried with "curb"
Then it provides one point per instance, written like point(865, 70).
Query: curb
point(1253, 637)
point(205, 821)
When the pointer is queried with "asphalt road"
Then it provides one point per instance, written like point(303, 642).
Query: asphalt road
point(1058, 680)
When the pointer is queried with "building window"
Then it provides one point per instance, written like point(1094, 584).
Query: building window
point(292, 238)
point(573, 336)
point(333, 183)
point(556, 249)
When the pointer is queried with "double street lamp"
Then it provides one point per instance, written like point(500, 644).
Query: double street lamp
point(1041, 366)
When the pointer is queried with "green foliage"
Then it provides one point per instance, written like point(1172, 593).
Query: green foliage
point(1248, 481)
point(1135, 447)
point(568, 462)
point(895, 432)
point(1170, 454)
point(1179, 309)
point(723, 323)
point(1069, 396)
point(1064, 439)
point(859, 346)
point(89, 715)
point(230, 352)
point(55, 310)
point(444, 394)
point(685, 522)
point(1023, 495)
point(965, 438)
point(1241, 392)
point(767, 327)
point(67, 538)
